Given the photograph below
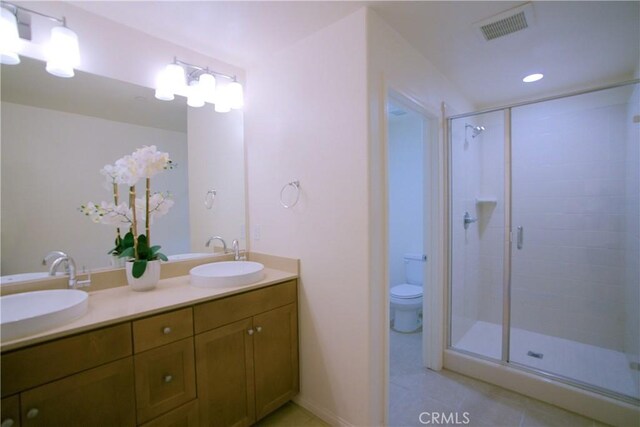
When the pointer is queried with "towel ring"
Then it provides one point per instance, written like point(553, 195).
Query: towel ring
point(209, 198)
point(296, 185)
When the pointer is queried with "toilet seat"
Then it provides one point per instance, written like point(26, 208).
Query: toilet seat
point(406, 291)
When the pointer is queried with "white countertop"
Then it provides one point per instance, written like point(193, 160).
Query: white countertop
point(116, 305)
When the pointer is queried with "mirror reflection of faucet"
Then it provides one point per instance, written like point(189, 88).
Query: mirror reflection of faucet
point(238, 254)
point(211, 239)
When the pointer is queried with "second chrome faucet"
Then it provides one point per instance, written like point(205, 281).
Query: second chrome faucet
point(235, 245)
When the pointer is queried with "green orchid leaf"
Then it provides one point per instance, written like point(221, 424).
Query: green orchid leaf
point(143, 247)
point(161, 256)
point(155, 249)
point(127, 241)
point(127, 253)
point(139, 267)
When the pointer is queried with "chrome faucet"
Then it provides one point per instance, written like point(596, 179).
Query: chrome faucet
point(69, 266)
point(211, 239)
point(53, 255)
point(236, 251)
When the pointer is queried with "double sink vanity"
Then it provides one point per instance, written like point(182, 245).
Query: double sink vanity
point(218, 347)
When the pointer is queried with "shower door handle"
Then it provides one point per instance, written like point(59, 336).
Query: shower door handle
point(520, 237)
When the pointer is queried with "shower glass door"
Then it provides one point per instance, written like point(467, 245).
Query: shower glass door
point(574, 254)
point(477, 233)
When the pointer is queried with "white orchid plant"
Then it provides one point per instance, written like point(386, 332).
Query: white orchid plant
point(144, 163)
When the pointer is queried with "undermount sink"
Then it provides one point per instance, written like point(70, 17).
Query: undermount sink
point(22, 277)
point(226, 274)
point(184, 257)
point(31, 312)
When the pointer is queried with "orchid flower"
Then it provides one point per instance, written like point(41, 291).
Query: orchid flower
point(144, 163)
point(159, 205)
point(108, 213)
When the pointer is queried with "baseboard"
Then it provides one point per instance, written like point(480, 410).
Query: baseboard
point(322, 413)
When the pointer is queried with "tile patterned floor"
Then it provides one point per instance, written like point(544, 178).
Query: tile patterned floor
point(414, 389)
point(291, 415)
point(593, 365)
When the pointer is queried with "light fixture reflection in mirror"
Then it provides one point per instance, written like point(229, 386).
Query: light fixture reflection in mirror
point(56, 135)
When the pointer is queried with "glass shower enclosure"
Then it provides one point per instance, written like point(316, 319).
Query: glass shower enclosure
point(545, 240)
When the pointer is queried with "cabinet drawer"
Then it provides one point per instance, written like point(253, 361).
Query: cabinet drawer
point(228, 310)
point(165, 378)
point(184, 416)
point(40, 364)
point(10, 411)
point(101, 396)
point(162, 329)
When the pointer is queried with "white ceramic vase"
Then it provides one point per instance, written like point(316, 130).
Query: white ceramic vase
point(117, 262)
point(149, 278)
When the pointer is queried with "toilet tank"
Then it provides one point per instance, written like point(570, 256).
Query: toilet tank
point(414, 268)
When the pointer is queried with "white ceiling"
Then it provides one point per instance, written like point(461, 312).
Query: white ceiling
point(576, 44)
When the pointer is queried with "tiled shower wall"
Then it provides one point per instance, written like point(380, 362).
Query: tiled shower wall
point(465, 269)
point(490, 226)
point(478, 188)
point(569, 161)
point(632, 228)
point(575, 192)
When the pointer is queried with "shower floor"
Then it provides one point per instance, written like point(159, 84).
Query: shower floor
point(598, 366)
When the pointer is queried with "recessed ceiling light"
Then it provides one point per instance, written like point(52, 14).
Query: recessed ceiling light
point(533, 78)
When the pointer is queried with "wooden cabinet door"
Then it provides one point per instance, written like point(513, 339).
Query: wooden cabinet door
point(102, 396)
point(11, 411)
point(224, 362)
point(276, 358)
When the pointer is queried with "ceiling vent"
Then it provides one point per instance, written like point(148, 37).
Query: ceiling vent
point(505, 23)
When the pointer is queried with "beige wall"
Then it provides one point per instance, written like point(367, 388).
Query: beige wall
point(315, 113)
point(306, 120)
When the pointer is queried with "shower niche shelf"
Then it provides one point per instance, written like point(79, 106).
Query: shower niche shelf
point(486, 200)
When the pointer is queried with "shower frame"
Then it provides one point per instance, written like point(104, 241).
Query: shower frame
point(507, 245)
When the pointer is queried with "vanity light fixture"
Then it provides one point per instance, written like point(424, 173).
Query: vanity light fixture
point(195, 97)
point(222, 99)
point(62, 51)
point(200, 86)
point(9, 39)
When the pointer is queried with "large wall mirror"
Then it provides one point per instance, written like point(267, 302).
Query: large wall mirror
point(58, 133)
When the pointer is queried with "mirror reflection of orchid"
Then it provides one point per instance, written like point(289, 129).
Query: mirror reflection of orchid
point(136, 213)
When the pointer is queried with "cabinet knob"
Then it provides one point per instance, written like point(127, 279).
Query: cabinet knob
point(250, 331)
point(166, 330)
point(7, 423)
point(168, 378)
point(32, 413)
point(259, 328)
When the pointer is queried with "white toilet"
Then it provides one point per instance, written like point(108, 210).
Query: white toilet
point(406, 298)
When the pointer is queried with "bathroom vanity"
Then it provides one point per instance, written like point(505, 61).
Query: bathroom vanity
point(207, 357)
